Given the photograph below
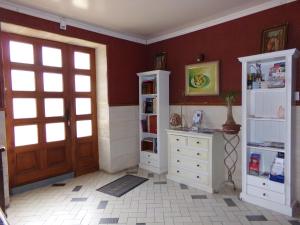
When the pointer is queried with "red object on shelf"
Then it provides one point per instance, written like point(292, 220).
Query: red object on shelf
point(152, 124)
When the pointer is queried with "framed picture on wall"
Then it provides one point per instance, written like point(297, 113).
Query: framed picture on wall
point(202, 79)
point(274, 38)
point(160, 61)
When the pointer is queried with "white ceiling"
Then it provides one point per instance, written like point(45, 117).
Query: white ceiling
point(144, 19)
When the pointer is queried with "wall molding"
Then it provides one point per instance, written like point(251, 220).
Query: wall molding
point(68, 21)
point(220, 20)
point(97, 29)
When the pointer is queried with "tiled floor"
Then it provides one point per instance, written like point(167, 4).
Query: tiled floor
point(157, 201)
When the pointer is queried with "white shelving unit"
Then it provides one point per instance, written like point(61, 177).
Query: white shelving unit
point(268, 129)
point(154, 159)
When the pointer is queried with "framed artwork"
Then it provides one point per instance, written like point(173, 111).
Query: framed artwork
point(274, 38)
point(160, 61)
point(202, 79)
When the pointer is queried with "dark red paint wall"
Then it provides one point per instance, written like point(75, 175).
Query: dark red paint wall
point(125, 58)
point(225, 42)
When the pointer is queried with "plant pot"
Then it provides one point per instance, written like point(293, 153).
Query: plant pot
point(231, 128)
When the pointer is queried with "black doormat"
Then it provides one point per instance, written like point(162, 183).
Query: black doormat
point(122, 185)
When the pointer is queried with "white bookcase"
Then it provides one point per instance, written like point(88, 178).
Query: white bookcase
point(153, 115)
point(268, 130)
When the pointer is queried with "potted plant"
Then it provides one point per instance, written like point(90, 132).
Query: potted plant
point(230, 126)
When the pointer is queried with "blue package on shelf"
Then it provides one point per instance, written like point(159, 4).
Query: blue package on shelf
point(277, 178)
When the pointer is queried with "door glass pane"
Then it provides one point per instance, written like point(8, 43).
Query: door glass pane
point(54, 107)
point(83, 106)
point(84, 128)
point(82, 60)
point(22, 80)
point(51, 56)
point(21, 52)
point(53, 82)
point(82, 83)
point(24, 108)
point(55, 132)
point(26, 135)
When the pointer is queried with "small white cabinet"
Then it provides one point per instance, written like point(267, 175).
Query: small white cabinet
point(196, 159)
point(154, 119)
point(268, 130)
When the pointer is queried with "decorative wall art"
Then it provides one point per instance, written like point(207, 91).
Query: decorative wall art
point(202, 79)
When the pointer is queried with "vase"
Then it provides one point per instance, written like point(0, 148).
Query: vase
point(230, 126)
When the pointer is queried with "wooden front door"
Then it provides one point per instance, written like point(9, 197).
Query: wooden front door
point(50, 108)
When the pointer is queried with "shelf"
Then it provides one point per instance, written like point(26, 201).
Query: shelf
point(149, 114)
point(267, 148)
point(149, 95)
point(266, 119)
point(153, 135)
point(267, 90)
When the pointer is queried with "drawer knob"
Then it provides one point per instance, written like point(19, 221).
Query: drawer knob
point(178, 171)
point(198, 142)
point(198, 165)
point(178, 150)
point(177, 139)
point(149, 162)
point(198, 177)
point(178, 160)
point(264, 184)
point(198, 153)
point(264, 194)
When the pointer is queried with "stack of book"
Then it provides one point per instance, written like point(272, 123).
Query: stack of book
point(149, 125)
point(149, 87)
point(149, 144)
point(149, 105)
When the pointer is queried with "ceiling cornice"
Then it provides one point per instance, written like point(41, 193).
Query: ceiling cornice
point(68, 21)
point(216, 21)
point(97, 29)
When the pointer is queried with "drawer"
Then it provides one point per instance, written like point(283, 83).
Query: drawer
point(149, 162)
point(198, 142)
point(149, 155)
point(265, 194)
point(178, 140)
point(265, 184)
point(195, 154)
point(197, 178)
point(188, 163)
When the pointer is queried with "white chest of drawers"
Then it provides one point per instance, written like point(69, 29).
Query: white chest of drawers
point(196, 159)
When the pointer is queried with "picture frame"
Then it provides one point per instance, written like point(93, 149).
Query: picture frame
point(274, 38)
point(202, 79)
point(160, 61)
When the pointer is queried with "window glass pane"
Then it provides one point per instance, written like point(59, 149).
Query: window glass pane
point(53, 82)
point(83, 106)
point(21, 52)
point(51, 56)
point(24, 108)
point(84, 128)
point(22, 80)
point(82, 60)
point(82, 83)
point(54, 107)
point(55, 132)
point(26, 135)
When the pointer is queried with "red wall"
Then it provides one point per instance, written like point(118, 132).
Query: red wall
point(225, 42)
point(125, 58)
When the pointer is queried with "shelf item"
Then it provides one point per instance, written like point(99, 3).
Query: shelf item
point(154, 119)
point(267, 136)
point(196, 159)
